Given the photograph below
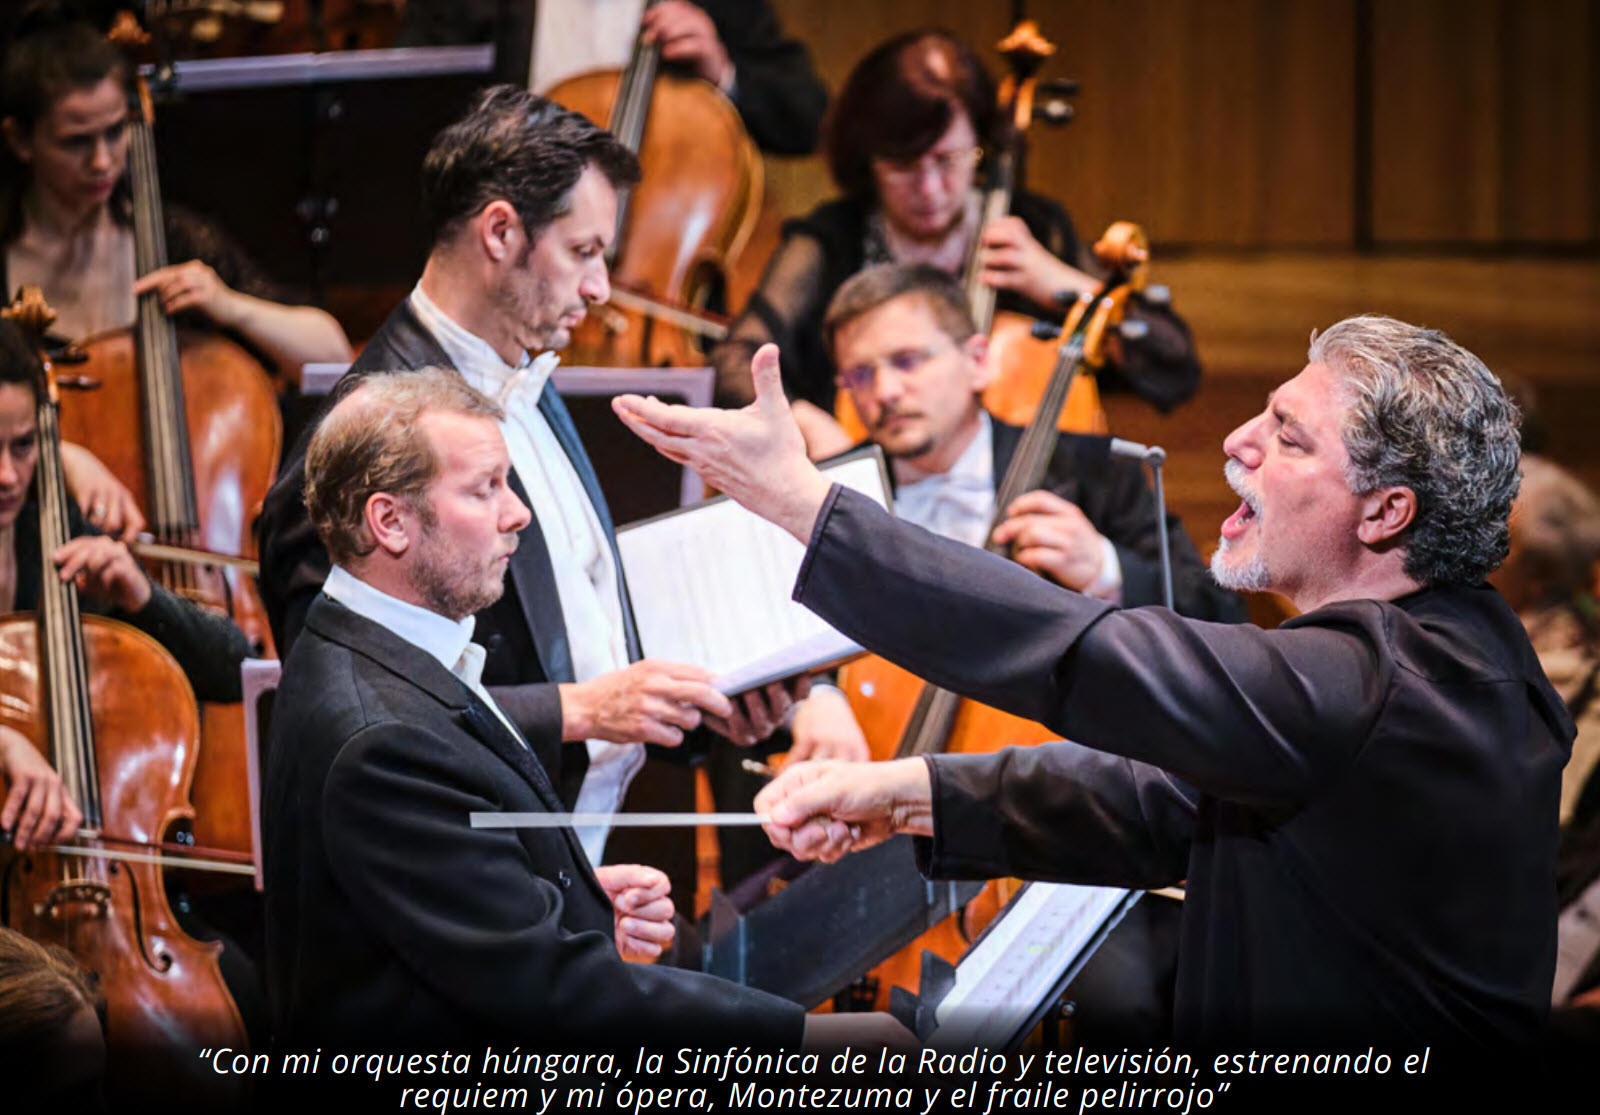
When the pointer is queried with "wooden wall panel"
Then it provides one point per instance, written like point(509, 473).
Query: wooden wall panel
point(1222, 123)
point(1244, 123)
point(1214, 122)
point(1485, 126)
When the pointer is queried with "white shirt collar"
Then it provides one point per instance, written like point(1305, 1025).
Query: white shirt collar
point(440, 636)
point(476, 359)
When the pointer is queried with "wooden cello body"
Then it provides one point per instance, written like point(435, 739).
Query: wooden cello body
point(164, 993)
point(114, 712)
point(194, 430)
point(690, 217)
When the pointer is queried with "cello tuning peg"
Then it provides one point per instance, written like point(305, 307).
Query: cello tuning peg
point(1133, 330)
point(1045, 330)
point(1055, 111)
point(1054, 101)
point(1157, 294)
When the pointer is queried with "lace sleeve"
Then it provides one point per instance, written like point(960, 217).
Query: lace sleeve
point(786, 309)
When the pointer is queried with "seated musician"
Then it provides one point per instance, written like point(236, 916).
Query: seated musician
point(736, 45)
point(208, 647)
point(390, 919)
point(915, 367)
point(66, 213)
point(904, 142)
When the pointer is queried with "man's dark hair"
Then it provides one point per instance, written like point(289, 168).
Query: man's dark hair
point(866, 290)
point(519, 148)
point(900, 99)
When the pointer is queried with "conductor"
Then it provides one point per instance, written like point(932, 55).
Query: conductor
point(1362, 801)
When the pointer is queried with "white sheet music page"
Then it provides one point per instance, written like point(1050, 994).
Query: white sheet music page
point(711, 585)
point(1017, 962)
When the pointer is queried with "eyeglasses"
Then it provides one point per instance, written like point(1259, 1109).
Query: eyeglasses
point(945, 164)
point(904, 361)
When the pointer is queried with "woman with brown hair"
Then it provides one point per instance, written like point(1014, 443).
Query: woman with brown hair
point(51, 1044)
point(904, 142)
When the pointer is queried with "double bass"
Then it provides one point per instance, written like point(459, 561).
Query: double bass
point(680, 230)
point(191, 425)
point(115, 713)
point(903, 716)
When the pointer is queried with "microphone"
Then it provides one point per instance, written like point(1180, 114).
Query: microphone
point(1092, 451)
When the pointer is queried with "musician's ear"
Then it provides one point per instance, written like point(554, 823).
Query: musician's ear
point(500, 230)
point(976, 348)
point(392, 522)
point(21, 145)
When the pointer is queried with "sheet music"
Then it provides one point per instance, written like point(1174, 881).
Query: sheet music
point(711, 585)
point(1019, 960)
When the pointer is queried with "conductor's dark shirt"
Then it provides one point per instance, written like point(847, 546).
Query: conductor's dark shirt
point(1363, 801)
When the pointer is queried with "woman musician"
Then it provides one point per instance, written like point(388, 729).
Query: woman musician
point(208, 646)
point(65, 226)
point(904, 143)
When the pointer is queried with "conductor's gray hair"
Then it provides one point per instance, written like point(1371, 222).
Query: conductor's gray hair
point(1426, 414)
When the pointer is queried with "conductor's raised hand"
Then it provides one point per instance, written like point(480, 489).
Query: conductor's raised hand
point(827, 809)
point(755, 454)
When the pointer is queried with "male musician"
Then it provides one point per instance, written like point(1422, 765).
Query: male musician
point(1363, 801)
point(522, 195)
point(915, 367)
point(36, 808)
point(736, 45)
point(390, 919)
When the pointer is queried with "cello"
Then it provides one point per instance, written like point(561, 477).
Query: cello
point(681, 228)
point(115, 712)
point(193, 429)
point(903, 716)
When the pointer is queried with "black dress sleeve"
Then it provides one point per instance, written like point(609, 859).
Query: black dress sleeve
point(775, 88)
point(1161, 366)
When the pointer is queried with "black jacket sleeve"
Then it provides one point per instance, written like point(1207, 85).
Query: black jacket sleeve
point(1261, 717)
point(776, 89)
point(1058, 812)
point(1161, 366)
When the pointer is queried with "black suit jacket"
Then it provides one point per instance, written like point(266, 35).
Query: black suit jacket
point(1112, 494)
point(1363, 801)
point(776, 89)
point(523, 634)
point(391, 920)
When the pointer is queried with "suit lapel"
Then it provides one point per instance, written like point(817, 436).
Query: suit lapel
point(555, 412)
point(334, 621)
point(538, 596)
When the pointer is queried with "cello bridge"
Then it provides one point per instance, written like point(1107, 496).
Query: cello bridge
point(59, 904)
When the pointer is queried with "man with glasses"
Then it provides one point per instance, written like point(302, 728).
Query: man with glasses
point(905, 146)
point(915, 368)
